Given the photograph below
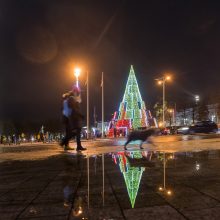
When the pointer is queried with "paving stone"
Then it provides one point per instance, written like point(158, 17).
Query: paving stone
point(8, 215)
point(203, 214)
point(54, 217)
point(156, 212)
point(45, 209)
point(142, 200)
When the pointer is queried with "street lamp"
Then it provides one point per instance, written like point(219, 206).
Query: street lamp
point(171, 111)
point(162, 81)
point(76, 74)
point(197, 98)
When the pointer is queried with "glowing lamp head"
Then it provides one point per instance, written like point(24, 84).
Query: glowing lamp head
point(77, 72)
point(168, 78)
point(196, 98)
point(160, 82)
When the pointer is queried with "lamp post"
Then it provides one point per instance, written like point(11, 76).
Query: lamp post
point(76, 74)
point(194, 107)
point(162, 81)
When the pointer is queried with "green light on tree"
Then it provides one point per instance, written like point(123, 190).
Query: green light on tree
point(132, 176)
point(132, 106)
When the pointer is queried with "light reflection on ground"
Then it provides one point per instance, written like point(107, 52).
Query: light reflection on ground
point(133, 184)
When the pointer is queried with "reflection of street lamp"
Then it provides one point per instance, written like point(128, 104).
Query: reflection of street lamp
point(76, 74)
point(164, 189)
point(162, 81)
point(197, 166)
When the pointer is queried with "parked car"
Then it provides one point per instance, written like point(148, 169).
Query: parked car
point(199, 127)
point(164, 131)
point(173, 129)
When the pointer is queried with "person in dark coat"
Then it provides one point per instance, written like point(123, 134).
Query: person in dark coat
point(66, 112)
point(74, 119)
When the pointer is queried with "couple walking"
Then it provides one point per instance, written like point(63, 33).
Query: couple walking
point(72, 118)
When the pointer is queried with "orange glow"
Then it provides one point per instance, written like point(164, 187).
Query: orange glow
point(169, 192)
point(160, 82)
point(168, 78)
point(160, 124)
point(77, 72)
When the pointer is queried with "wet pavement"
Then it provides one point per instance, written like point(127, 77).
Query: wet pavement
point(44, 182)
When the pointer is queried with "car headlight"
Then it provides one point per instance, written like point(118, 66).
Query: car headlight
point(183, 129)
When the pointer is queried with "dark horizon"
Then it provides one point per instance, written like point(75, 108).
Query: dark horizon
point(42, 41)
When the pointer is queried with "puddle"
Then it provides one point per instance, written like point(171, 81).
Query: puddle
point(119, 185)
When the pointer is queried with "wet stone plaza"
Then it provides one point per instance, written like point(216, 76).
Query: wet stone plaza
point(45, 182)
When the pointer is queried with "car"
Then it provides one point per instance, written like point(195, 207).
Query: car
point(173, 129)
point(164, 131)
point(203, 127)
point(199, 127)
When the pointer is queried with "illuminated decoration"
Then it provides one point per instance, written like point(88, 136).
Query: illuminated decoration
point(132, 109)
point(132, 175)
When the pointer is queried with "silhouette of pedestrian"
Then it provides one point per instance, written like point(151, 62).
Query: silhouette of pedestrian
point(72, 118)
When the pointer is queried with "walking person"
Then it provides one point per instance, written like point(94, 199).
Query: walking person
point(72, 118)
point(66, 113)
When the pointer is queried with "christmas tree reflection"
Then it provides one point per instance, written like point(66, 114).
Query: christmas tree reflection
point(132, 174)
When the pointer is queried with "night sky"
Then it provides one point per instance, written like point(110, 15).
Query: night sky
point(42, 41)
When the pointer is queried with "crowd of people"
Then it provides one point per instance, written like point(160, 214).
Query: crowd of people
point(14, 139)
point(72, 119)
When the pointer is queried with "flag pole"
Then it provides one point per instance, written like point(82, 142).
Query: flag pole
point(102, 105)
point(88, 105)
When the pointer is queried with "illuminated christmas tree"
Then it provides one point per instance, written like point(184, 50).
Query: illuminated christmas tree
point(132, 110)
point(132, 176)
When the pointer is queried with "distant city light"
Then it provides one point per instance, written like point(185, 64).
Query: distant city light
point(171, 157)
point(197, 98)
